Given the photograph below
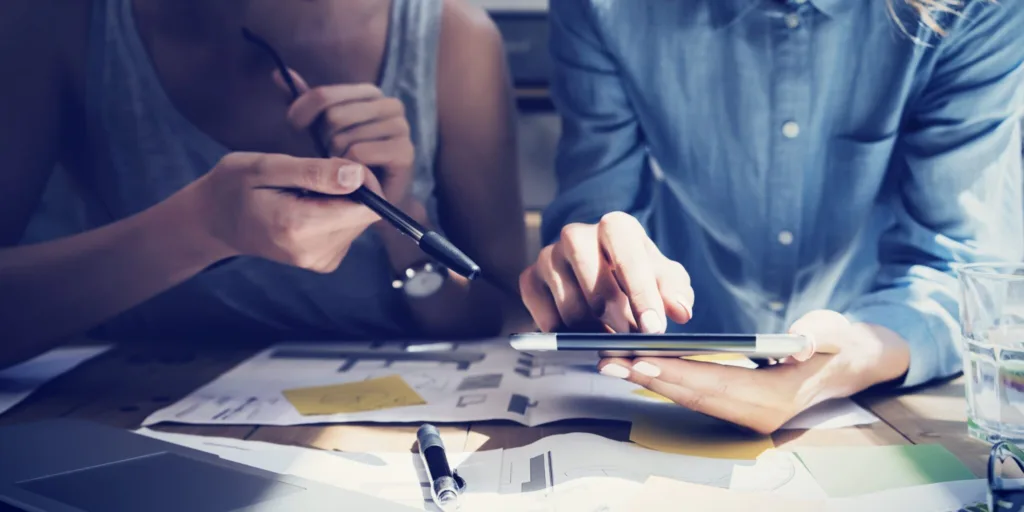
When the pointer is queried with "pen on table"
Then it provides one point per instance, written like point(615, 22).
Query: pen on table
point(445, 484)
point(430, 242)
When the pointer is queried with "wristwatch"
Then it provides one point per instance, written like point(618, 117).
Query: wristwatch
point(421, 280)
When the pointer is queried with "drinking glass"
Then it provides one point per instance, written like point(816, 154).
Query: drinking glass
point(992, 330)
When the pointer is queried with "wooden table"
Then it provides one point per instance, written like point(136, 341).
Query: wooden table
point(123, 386)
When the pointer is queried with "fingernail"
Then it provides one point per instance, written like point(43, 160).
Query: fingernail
point(809, 352)
point(648, 369)
point(689, 310)
point(349, 176)
point(650, 322)
point(614, 370)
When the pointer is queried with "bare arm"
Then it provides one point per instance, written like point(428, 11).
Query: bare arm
point(478, 185)
point(53, 290)
point(58, 289)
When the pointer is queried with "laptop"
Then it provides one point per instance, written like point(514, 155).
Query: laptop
point(76, 466)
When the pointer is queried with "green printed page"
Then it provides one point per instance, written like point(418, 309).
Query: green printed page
point(852, 471)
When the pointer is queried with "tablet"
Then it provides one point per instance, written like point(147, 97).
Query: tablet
point(754, 346)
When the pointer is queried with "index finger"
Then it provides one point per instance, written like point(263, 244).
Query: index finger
point(308, 107)
point(624, 244)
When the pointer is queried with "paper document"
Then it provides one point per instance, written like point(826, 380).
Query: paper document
point(853, 471)
point(571, 472)
point(18, 382)
point(661, 493)
point(458, 382)
point(829, 414)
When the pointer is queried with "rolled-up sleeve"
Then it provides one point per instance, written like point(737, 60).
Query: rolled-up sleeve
point(602, 161)
point(958, 171)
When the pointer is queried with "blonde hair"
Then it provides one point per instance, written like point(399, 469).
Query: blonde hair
point(927, 11)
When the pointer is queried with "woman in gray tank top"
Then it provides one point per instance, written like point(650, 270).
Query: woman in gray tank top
point(133, 102)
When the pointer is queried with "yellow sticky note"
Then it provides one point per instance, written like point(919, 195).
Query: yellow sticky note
point(657, 491)
point(362, 396)
point(713, 439)
point(717, 358)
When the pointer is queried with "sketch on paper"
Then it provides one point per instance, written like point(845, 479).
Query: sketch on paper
point(472, 381)
point(539, 479)
point(468, 400)
point(476, 382)
point(387, 355)
point(519, 404)
point(426, 382)
point(531, 367)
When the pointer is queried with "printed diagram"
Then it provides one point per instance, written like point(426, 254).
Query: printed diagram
point(606, 471)
point(468, 400)
point(477, 382)
point(519, 404)
point(386, 354)
point(530, 367)
point(232, 411)
point(541, 474)
point(426, 382)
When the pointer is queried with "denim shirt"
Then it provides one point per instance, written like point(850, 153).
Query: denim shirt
point(799, 155)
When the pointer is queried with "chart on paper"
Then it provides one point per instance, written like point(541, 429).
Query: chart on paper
point(443, 382)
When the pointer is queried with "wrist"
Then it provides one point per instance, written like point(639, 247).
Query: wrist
point(183, 224)
point(876, 354)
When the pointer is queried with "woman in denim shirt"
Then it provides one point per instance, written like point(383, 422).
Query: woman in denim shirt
point(813, 166)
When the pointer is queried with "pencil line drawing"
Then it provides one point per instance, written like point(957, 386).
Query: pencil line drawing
point(476, 382)
point(538, 478)
point(424, 381)
point(519, 404)
point(467, 400)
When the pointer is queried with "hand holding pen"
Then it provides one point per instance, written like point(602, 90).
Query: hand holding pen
point(430, 242)
point(239, 209)
point(359, 123)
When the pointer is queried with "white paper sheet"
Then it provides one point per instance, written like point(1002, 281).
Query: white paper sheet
point(570, 472)
point(18, 382)
point(470, 382)
point(832, 414)
point(944, 497)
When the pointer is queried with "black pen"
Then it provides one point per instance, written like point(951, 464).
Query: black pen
point(430, 242)
point(445, 484)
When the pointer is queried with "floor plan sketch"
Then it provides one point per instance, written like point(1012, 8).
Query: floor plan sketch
point(519, 404)
point(540, 473)
point(468, 400)
point(469, 381)
point(386, 356)
point(475, 382)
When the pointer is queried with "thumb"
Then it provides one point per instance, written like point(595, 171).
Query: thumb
point(824, 328)
point(332, 176)
point(296, 80)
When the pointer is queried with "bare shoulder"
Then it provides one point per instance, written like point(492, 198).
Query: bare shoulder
point(465, 25)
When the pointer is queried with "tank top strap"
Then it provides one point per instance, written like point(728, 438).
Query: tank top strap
point(410, 74)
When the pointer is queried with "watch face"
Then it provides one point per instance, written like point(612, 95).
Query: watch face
point(424, 284)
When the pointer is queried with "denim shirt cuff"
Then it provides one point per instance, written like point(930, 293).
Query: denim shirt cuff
point(934, 351)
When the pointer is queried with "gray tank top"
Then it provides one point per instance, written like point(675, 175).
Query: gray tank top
point(148, 151)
